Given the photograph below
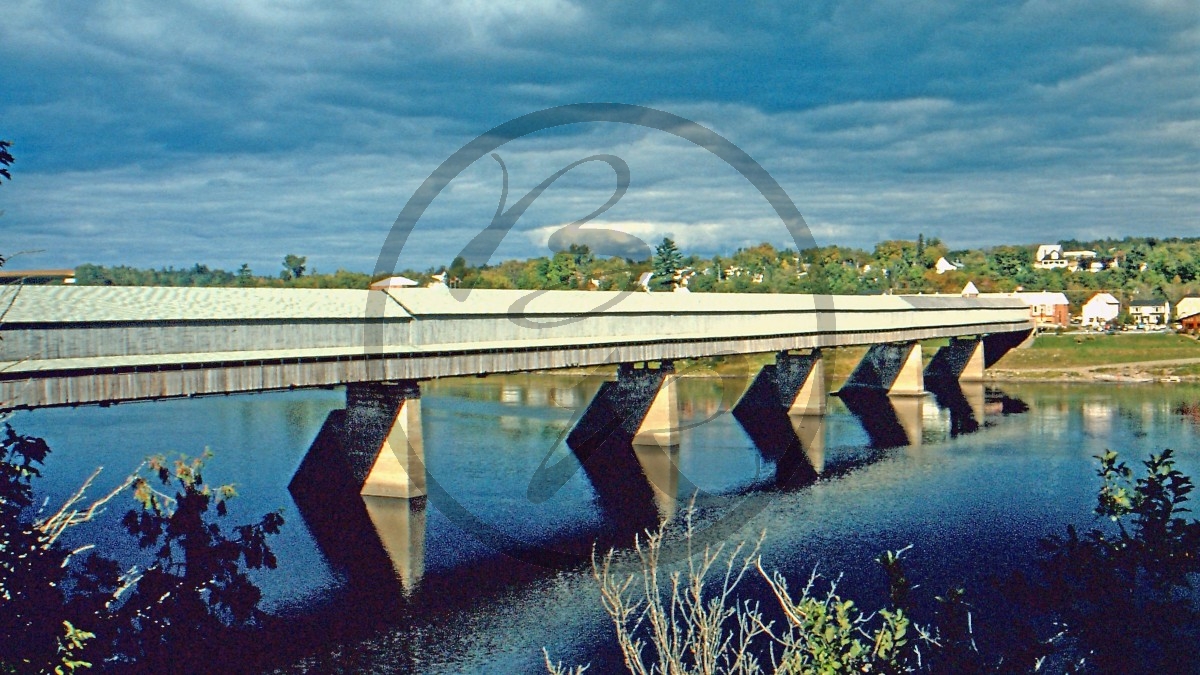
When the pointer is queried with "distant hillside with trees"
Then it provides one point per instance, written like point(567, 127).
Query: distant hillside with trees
point(1134, 267)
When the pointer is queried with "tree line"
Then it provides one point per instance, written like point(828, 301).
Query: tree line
point(1133, 267)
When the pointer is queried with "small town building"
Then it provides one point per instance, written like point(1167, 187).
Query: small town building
point(970, 291)
point(1187, 313)
point(1047, 308)
point(942, 266)
point(1049, 256)
point(1052, 256)
point(1150, 312)
point(1101, 309)
point(1188, 306)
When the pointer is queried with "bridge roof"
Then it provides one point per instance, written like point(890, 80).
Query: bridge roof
point(445, 302)
point(116, 304)
point(102, 304)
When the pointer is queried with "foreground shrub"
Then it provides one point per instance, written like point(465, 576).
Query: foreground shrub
point(1117, 599)
point(688, 621)
point(62, 611)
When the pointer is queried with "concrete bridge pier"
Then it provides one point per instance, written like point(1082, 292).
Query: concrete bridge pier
point(892, 368)
point(373, 447)
point(886, 393)
point(795, 383)
point(641, 406)
point(782, 412)
point(361, 485)
point(383, 425)
point(630, 430)
point(962, 359)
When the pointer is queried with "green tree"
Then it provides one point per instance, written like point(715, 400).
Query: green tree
point(293, 266)
point(457, 270)
point(245, 277)
point(560, 271)
point(667, 262)
point(1121, 594)
point(1010, 261)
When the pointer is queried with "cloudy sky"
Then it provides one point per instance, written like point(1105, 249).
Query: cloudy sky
point(155, 134)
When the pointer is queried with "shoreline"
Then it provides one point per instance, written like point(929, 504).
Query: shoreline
point(1032, 376)
point(1141, 372)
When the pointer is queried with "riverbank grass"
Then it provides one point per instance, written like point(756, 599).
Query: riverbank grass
point(1079, 350)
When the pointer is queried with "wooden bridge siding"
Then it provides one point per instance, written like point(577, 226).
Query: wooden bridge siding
point(451, 330)
point(58, 342)
point(98, 386)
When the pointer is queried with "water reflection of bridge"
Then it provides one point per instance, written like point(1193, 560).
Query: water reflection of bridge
point(634, 470)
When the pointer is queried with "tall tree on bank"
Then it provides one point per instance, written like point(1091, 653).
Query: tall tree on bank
point(667, 262)
point(293, 266)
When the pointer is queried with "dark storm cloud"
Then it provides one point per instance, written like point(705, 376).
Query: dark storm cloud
point(150, 133)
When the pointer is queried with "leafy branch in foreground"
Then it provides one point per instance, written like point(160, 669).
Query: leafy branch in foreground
point(1123, 600)
point(61, 612)
point(198, 584)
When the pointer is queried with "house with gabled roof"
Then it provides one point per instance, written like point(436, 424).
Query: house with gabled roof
point(1101, 309)
point(1150, 311)
point(1187, 313)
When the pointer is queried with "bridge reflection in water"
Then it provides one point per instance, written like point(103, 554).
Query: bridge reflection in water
point(634, 469)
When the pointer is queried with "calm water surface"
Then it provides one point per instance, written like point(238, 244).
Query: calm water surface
point(484, 576)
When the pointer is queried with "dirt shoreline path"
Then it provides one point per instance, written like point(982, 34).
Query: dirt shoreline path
point(1129, 372)
point(1126, 364)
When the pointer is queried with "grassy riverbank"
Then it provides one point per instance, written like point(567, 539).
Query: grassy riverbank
point(1098, 357)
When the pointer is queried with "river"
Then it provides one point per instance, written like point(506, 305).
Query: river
point(484, 576)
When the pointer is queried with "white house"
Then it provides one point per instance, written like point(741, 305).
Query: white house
point(1100, 309)
point(1052, 256)
point(942, 266)
point(1189, 306)
point(1049, 256)
point(1150, 312)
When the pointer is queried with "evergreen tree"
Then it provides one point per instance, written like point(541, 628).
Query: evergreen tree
point(667, 262)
